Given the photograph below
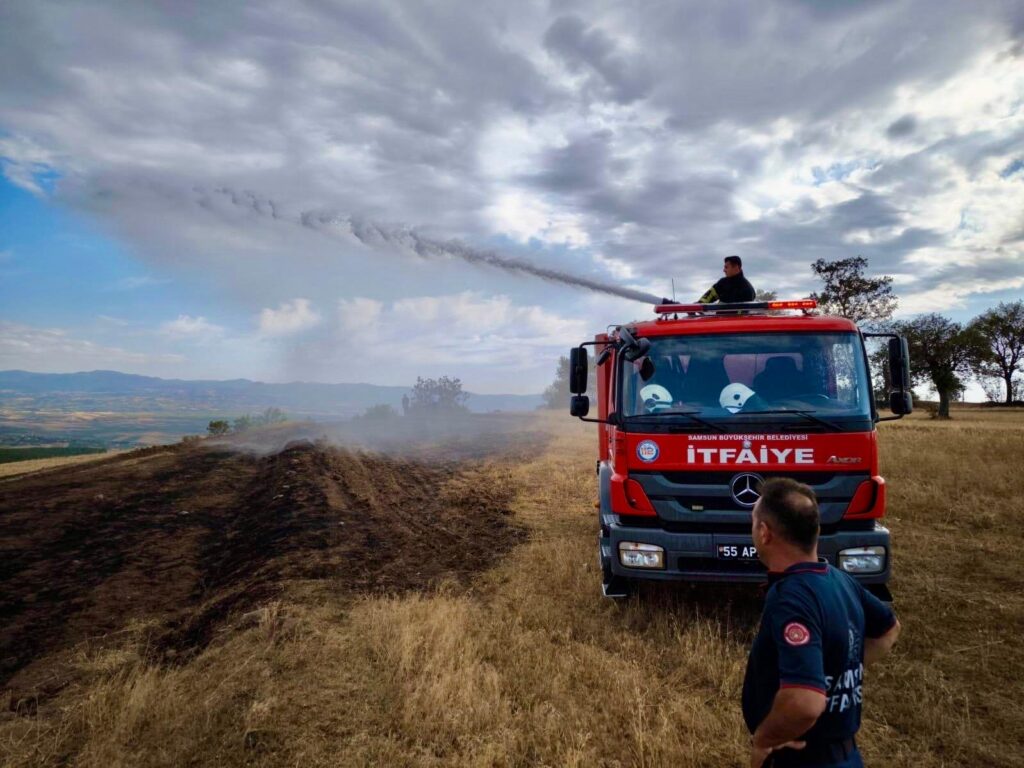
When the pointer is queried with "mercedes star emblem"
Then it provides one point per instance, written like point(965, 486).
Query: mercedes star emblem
point(746, 489)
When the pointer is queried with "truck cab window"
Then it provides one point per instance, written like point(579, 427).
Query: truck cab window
point(703, 374)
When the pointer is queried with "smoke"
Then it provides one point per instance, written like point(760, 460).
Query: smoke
point(377, 235)
point(453, 436)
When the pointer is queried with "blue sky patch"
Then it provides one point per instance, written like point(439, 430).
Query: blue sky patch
point(60, 270)
point(1013, 168)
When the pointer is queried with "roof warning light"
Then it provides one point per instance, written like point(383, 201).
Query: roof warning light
point(668, 309)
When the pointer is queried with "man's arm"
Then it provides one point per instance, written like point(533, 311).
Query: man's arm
point(881, 627)
point(796, 631)
point(710, 295)
point(876, 648)
point(794, 711)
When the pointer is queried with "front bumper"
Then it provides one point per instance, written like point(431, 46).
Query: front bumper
point(694, 556)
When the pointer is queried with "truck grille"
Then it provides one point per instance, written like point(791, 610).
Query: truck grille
point(696, 497)
point(724, 478)
point(827, 529)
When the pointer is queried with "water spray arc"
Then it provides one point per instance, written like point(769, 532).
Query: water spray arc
point(375, 235)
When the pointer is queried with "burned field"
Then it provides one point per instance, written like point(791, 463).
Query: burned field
point(185, 538)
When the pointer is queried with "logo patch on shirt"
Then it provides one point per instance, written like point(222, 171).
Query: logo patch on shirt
point(796, 633)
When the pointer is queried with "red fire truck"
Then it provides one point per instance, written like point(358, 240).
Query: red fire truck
point(700, 404)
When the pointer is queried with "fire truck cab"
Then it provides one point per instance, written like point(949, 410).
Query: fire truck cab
point(699, 405)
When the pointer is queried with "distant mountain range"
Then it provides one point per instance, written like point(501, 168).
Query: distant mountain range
point(111, 391)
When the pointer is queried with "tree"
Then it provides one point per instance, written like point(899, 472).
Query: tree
point(847, 292)
point(218, 427)
point(999, 352)
point(878, 359)
point(268, 417)
point(993, 389)
point(940, 354)
point(557, 394)
point(378, 413)
point(271, 416)
point(441, 395)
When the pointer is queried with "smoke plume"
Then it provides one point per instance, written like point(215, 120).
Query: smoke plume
point(375, 235)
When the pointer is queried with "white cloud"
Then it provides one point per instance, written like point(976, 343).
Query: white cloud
point(952, 295)
point(467, 316)
point(468, 325)
point(617, 268)
point(524, 216)
point(22, 159)
point(495, 344)
point(186, 326)
point(289, 318)
point(139, 281)
point(110, 320)
point(53, 350)
point(359, 314)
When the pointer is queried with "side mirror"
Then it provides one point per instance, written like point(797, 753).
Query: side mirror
point(579, 406)
point(901, 403)
point(899, 364)
point(900, 400)
point(639, 348)
point(578, 370)
point(632, 348)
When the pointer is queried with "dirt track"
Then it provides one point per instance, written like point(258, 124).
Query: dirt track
point(185, 537)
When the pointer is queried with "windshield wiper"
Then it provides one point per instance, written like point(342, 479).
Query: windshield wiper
point(809, 415)
point(689, 414)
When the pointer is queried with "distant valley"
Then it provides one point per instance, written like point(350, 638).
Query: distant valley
point(114, 409)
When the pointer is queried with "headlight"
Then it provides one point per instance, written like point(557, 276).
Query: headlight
point(862, 560)
point(635, 555)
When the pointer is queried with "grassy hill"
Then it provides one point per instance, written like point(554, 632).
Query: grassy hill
point(521, 663)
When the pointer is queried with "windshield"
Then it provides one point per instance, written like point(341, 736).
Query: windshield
point(815, 378)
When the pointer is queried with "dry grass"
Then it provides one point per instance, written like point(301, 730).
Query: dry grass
point(12, 468)
point(529, 666)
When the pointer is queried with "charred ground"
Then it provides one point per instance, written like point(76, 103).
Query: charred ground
point(186, 537)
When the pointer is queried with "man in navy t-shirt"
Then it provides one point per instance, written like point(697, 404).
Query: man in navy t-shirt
point(804, 684)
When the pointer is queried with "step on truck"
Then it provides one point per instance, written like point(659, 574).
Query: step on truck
point(697, 406)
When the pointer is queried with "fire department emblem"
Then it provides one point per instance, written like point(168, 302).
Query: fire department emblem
point(647, 451)
point(796, 633)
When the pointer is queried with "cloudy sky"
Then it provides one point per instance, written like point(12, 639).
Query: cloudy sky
point(183, 183)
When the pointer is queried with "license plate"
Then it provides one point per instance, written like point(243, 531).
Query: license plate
point(737, 551)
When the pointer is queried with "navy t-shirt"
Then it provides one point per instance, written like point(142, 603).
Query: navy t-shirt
point(812, 636)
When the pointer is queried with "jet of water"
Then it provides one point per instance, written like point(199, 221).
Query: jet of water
point(375, 235)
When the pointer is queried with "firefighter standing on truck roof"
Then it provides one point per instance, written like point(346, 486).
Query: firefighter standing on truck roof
point(803, 688)
point(731, 288)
